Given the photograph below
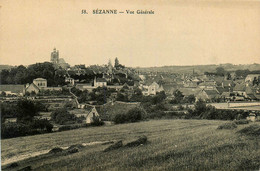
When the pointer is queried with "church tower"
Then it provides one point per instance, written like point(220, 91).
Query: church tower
point(55, 56)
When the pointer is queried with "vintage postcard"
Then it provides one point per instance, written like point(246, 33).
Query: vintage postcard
point(130, 85)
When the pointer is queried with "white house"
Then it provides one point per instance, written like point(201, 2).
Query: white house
point(40, 82)
point(153, 88)
point(100, 82)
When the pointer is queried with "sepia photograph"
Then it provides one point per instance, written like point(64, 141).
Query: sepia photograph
point(130, 85)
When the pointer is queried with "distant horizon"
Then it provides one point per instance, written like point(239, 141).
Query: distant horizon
point(180, 33)
point(140, 66)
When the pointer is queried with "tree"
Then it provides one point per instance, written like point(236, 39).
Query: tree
point(121, 97)
point(26, 110)
point(178, 96)
point(220, 71)
point(116, 63)
point(62, 116)
point(159, 97)
point(228, 76)
point(109, 63)
point(190, 99)
point(242, 73)
point(200, 107)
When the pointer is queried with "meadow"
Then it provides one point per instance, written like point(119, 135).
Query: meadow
point(172, 145)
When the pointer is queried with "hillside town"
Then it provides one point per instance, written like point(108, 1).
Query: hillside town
point(103, 91)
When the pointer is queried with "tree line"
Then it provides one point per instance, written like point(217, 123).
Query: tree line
point(24, 75)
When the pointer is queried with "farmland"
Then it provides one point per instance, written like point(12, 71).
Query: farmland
point(172, 145)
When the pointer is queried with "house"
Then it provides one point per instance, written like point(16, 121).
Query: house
point(153, 88)
point(40, 82)
point(208, 95)
point(208, 85)
point(52, 88)
point(10, 120)
point(252, 93)
point(189, 91)
point(240, 89)
point(227, 83)
point(251, 77)
point(224, 89)
point(43, 115)
point(11, 89)
point(70, 80)
point(228, 95)
point(189, 83)
point(32, 88)
point(100, 82)
point(169, 88)
point(86, 86)
point(89, 112)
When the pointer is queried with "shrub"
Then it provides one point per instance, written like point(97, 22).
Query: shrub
point(43, 124)
point(133, 115)
point(68, 127)
point(62, 116)
point(229, 125)
point(240, 122)
point(180, 107)
point(175, 115)
point(97, 122)
point(119, 118)
point(156, 115)
point(10, 130)
point(252, 130)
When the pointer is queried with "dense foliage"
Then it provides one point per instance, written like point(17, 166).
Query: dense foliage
point(23, 75)
point(10, 130)
point(25, 112)
point(62, 116)
point(204, 111)
point(133, 115)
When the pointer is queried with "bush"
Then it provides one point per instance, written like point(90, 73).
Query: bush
point(133, 115)
point(119, 118)
point(62, 116)
point(11, 130)
point(240, 122)
point(43, 124)
point(156, 115)
point(252, 130)
point(97, 122)
point(229, 125)
point(69, 127)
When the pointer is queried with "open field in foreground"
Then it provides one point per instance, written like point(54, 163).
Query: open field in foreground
point(173, 145)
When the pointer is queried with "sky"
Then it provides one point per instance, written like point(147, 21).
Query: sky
point(178, 33)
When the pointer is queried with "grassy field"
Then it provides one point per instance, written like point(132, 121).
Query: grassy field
point(173, 145)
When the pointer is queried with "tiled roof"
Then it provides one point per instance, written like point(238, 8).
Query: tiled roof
point(189, 91)
point(207, 83)
point(211, 92)
point(240, 87)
